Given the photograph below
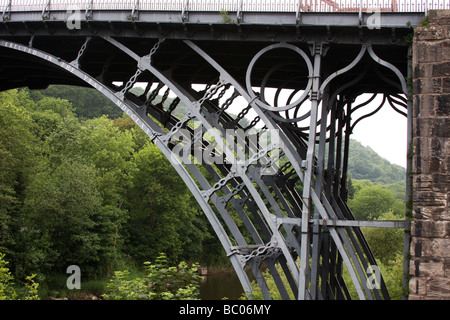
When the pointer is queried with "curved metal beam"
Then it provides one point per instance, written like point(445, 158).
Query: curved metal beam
point(153, 131)
point(252, 64)
point(390, 66)
point(247, 181)
point(343, 70)
point(343, 248)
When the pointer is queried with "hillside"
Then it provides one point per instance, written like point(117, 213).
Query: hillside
point(86, 102)
point(364, 163)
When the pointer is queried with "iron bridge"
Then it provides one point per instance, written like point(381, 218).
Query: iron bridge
point(262, 106)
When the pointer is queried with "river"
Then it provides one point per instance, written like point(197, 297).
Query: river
point(221, 285)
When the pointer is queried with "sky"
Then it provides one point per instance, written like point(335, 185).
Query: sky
point(385, 132)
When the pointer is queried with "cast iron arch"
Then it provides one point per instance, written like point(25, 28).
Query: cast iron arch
point(277, 218)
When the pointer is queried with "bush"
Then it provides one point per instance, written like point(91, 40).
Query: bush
point(160, 283)
point(7, 291)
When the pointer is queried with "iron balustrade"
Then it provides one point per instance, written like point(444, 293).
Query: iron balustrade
point(231, 5)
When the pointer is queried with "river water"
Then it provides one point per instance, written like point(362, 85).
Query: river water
point(221, 285)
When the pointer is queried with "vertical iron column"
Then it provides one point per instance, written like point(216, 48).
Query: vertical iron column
point(409, 137)
point(319, 242)
point(304, 275)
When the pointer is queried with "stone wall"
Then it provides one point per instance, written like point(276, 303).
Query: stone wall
point(430, 227)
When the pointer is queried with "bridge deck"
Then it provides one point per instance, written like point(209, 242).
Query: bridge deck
point(44, 24)
point(233, 5)
point(393, 13)
point(236, 55)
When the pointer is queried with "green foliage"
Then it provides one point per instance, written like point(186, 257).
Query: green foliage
point(161, 282)
point(386, 243)
point(392, 273)
point(162, 211)
point(58, 219)
point(91, 192)
point(87, 102)
point(364, 163)
point(7, 290)
point(19, 155)
point(425, 23)
point(31, 288)
point(121, 287)
point(370, 201)
point(226, 17)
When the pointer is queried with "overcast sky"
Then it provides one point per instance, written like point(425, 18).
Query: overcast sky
point(385, 132)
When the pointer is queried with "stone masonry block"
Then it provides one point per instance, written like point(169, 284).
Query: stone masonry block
point(440, 17)
point(423, 70)
point(446, 84)
point(431, 268)
point(447, 267)
point(428, 52)
point(417, 288)
point(441, 69)
point(430, 33)
point(446, 47)
point(423, 103)
point(438, 247)
point(422, 85)
point(438, 288)
point(429, 229)
point(442, 106)
point(432, 127)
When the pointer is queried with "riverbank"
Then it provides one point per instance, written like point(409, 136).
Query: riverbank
point(216, 284)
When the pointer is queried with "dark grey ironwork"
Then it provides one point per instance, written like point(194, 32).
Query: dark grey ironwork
point(280, 206)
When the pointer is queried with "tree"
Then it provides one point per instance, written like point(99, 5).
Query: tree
point(161, 208)
point(7, 291)
point(386, 243)
point(87, 102)
point(98, 142)
point(61, 107)
point(392, 272)
point(58, 220)
point(18, 159)
point(350, 187)
point(63, 143)
point(370, 202)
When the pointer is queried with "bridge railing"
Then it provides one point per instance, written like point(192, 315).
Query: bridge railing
point(230, 5)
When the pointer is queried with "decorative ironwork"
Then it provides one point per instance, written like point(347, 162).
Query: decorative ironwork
point(292, 218)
